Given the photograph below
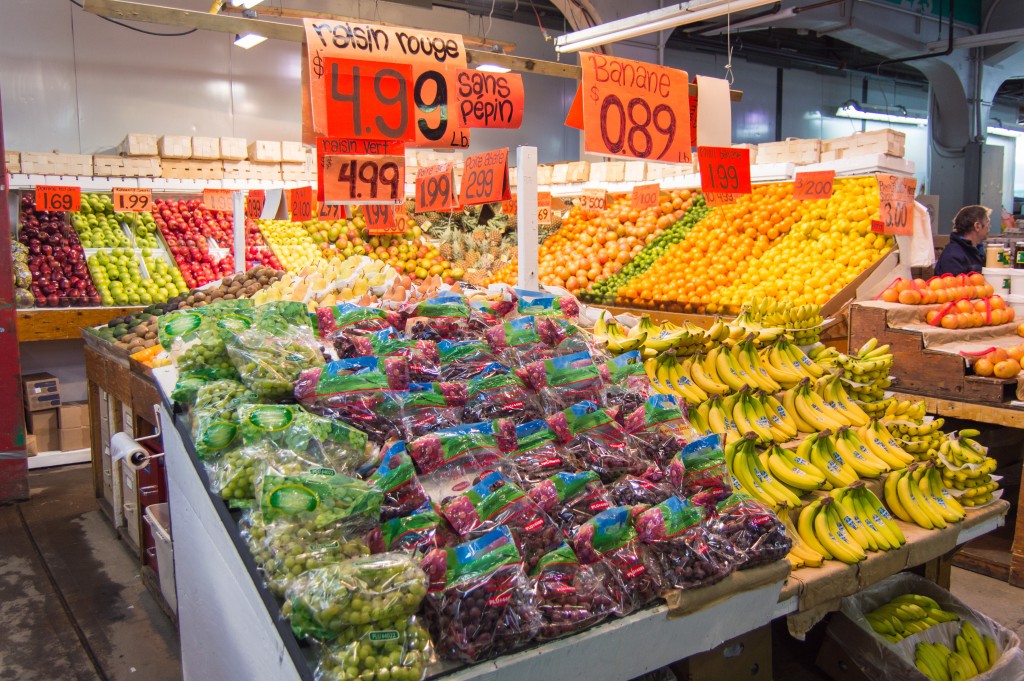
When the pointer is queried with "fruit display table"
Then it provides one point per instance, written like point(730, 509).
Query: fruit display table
point(46, 324)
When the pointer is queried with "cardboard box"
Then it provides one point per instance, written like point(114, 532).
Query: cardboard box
point(43, 425)
point(13, 161)
point(233, 148)
point(139, 144)
point(265, 151)
point(175, 146)
point(73, 415)
point(74, 438)
point(206, 148)
point(293, 152)
point(838, 664)
point(42, 391)
point(31, 447)
point(745, 657)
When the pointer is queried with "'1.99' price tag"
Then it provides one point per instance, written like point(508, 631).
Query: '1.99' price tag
point(300, 204)
point(218, 199)
point(812, 186)
point(385, 219)
point(724, 174)
point(254, 202)
point(55, 198)
point(364, 179)
point(435, 189)
point(132, 199)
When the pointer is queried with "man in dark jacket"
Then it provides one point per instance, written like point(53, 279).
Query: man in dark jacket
point(970, 229)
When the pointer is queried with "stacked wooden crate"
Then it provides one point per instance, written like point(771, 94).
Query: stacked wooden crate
point(797, 151)
point(296, 163)
point(12, 159)
point(887, 141)
point(51, 163)
point(138, 156)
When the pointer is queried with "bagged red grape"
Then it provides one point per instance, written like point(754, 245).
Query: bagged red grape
point(516, 342)
point(626, 566)
point(488, 313)
point(660, 427)
point(689, 555)
point(440, 318)
point(570, 596)
point(499, 396)
point(422, 530)
point(545, 304)
point(563, 381)
point(479, 602)
point(382, 589)
point(755, 532)
point(463, 360)
point(571, 499)
point(537, 455)
point(397, 481)
point(315, 382)
point(422, 356)
point(372, 654)
point(347, 320)
point(496, 501)
point(626, 383)
point(596, 440)
point(631, 490)
point(699, 471)
point(362, 400)
point(471, 446)
point(427, 407)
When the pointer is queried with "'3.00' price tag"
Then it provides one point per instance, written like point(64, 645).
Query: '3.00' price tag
point(896, 203)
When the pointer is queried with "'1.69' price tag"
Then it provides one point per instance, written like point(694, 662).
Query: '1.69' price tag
point(364, 179)
point(219, 199)
point(300, 204)
point(812, 186)
point(254, 202)
point(132, 199)
point(55, 198)
point(435, 188)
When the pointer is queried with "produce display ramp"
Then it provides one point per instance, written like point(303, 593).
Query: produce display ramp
point(64, 323)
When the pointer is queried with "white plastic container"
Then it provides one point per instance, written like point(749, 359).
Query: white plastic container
point(1016, 278)
point(159, 518)
point(1017, 303)
point(999, 277)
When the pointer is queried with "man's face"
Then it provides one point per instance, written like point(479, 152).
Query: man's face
point(982, 228)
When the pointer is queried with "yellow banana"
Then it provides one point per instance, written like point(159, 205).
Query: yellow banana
point(913, 503)
point(881, 517)
point(805, 527)
point(892, 496)
point(865, 464)
point(705, 382)
point(837, 398)
point(852, 521)
point(728, 372)
point(790, 474)
point(833, 537)
point(789, 403)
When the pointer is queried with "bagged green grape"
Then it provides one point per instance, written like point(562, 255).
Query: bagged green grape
point(373, 653)
point(189, 382)
point(320, 496)
point(271, 364)
point(233, 475)
point(384, 590)
point(195, 338)
point(215, 426)
point(280, 317)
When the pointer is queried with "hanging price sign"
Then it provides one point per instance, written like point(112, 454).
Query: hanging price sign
point(339, 146)
point(132, 199)
point(55, 198)
point(219, 199)
point(693, 118)
point(331, 212)
point(593, 199)
point(490, 100)
point(254, 202)
point(435, 188)
point(385, 219)
point(574, 119)
point(724, 174)
point(646, 196)
point(634, 109)
point(510, 206)
point(430, 97)
point(544, 208)
point(300, 204)
point(812, 186)
point(364, 179)
point(485, 178)
point(896, 203)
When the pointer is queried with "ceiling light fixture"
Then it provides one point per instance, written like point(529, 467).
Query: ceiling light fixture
point(863, 112)
point(652, 22)
point(493, 68)
point(249, 4)
point(249, 40)
point(1005, 132)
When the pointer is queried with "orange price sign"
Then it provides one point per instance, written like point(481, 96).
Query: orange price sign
point(713, 199)
point(385, 219)
point(594, 199)
point(510, 206)
point(364, 179)
point(435, 188)
point(485, 178)
point(300, 204)
point(219, 199)
point(693, 118)
point(490, 100)
point(574, 119)
point(369, 100)
point(132, 199)
point(52, 197)
point(646, 196)
point(331, 212)
point(896, 203)
point(341, 146)
point(254, 202)
point(724, 170)
point(543, 208)
point(634, 109)
point(812, 186)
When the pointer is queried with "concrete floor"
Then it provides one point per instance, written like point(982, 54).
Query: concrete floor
point(73, 605)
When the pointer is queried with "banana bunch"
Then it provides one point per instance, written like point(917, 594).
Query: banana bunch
point(964, 450)
point(802, 554)
point(794, 471)
point(965, 465)
point(787, 365)
point(751, 476)
point(975, 654)
point(827, 357)
point(810, 410)
point(883, 445)
point(832, 391)
point(847, 524)
point(702, 372)
point(684, 340)
point(618, 341)
point(803, 321)
point(668, 376)
point(821, 526)
point(867, 371)
point(820, 450)
point(876, 409)
point(906, 615)
point(905, 410)
point(923, 440)
point(916, 495)
point(744, 412)
point(740, 366)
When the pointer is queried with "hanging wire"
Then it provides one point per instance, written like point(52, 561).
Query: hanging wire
point(138, 30)
point(729, 75)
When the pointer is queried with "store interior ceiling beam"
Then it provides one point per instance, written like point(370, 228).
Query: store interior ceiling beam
point(289, 13)
point(1013, 35)
point(170, 16)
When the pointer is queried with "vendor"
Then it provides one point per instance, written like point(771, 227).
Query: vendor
point(963, 254)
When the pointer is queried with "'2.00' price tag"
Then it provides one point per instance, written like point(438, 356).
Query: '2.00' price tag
point(56, 198)
point(300, 204)
point(812, 186)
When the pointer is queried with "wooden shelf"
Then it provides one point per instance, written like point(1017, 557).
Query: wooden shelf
point(64, 323)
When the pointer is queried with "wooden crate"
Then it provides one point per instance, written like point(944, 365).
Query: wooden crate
point(610, 171)
point(265, 151)
point(920, 370)
point(192, 169)
point(293, 152)
point(579, 171)
point(636, 171)
point(246, 170)
point(560, 173)
point(139, 144)
point(752, 148)
point(126, 166)
point(13, 161)
point(797, 151)
point(544, 174)
point(35, 163)
point(175, 146)
point(298, 172)
point(887, 141)
point(206, 148)
point(234, 149)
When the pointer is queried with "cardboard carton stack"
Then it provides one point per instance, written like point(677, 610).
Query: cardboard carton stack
point(53, 425)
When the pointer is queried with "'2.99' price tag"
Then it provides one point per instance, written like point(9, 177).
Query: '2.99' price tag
point(485, 178)
point(364, 179)
point(812, 186)
point(132, 199)
point(55, 198)
point(435, 188)
point(300, 204)
point(254, 202)
point(896, 203)
point(724, 174)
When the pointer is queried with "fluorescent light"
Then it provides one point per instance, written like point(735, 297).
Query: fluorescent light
point(249, 40)
point(652, 22)
point(493, 68)
point(249, 4)
point(857, 111)
point(1005, 132)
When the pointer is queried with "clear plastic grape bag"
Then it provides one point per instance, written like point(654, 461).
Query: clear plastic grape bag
point(362, 400)
point(563, 381)
point(660, 427)
point(370, 653)
point(571, 498)
point(499, 396)
point(215, 424)
point(270, 365)
point(690, 556)
point(755, 532)
point(699, 471)
point(626, 383)
point(538, 455)
point(397, 481)
point(422, 530)
point(472, 446)
point(464, 360)
point(428, 407)
point(440, 319)
point(594, 438)
point(570, 596)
